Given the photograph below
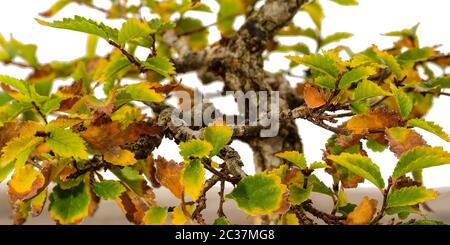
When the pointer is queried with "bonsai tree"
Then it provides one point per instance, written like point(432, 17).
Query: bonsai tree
point(58, 141)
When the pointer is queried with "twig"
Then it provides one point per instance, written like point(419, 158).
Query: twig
point(220, 212)
point(386, 191)
point(129, 56)
point(326, 217)
point(38, 110)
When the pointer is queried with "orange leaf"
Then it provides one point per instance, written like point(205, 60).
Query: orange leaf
point(363, 214)
point(168, 174)
point(313, 97)
point(132, 206)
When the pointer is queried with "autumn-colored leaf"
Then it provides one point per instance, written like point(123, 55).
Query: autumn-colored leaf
point(363, 213)
point(25, 183)
point(403, 139)
point(313, 97)
point(168, 174)
point(132, 206)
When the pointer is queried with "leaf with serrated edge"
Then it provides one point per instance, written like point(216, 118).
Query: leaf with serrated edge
point(294, 157)
point(421, 157)
point(259, 194)
point(409, 196)
point(360, 165)
point(218, 136)
point(108, 189)
point(430, 127)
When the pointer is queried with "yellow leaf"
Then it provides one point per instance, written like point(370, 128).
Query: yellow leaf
point(363, 214)
point(25, 183)
point(120, 157)
point(179, 217)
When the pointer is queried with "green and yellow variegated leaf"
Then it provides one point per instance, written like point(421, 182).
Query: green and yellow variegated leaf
point(195, 148)
point(294, 157)
point(218, 136)
point(421, 157)
point(368, 89)
point(135, 30)
point(355, 75)
point(298, 194)
point(193, 178)
point(360, 165)
point(70, 206)
point(155, 216)
point(409, 196)
point(315, 11)
point(430, 127)
point(18, 150)
point(66, 143)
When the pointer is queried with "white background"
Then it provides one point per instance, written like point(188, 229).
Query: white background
point(367, 22)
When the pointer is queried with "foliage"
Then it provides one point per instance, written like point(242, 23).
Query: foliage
point(56, 141)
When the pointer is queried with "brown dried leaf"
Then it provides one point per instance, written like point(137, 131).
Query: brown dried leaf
point(107, 136)
point(132, 206)
point(363, 214)
point(168, 174)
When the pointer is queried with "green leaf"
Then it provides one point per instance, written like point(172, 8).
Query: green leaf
point(352, 76)
point(321, 63)
point(404, 102)
point(26, 51)
point(155, 216)
point(317, 165)
point(5, 171)
point(19, 85)
point(375, 146)
point(197, 39)
point(55, 8)
point(425, 222)
point(229, 10)
point(259, 194)
point(439, 82)
point(66, 143)
point(161, 65)
point(82, 24)
point(335, 37)
point(325, 82)
point(346, 2)
point(299, 47)
point(409, 196)
point(193, 178)
point(108, 189)
point(297, 195)
point(138, 92)
point(368, 89)
point(221, 221)
point(126, 115)
point(195, 148)
point(430, 127)
point(134, 30)
point(132, 179)
point(112, 68)
point(51, 104)
point(360, 165)
point(91, 46)
point(403, 211)
point(10, 111)
point(70, 206)
point(18, 149)
point(315, 11)
point(319, 186)
point(294, 157)
point(219, 136)
point(413, 55)
point(420, 157)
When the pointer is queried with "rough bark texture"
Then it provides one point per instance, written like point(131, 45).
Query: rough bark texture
point(238, 62)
